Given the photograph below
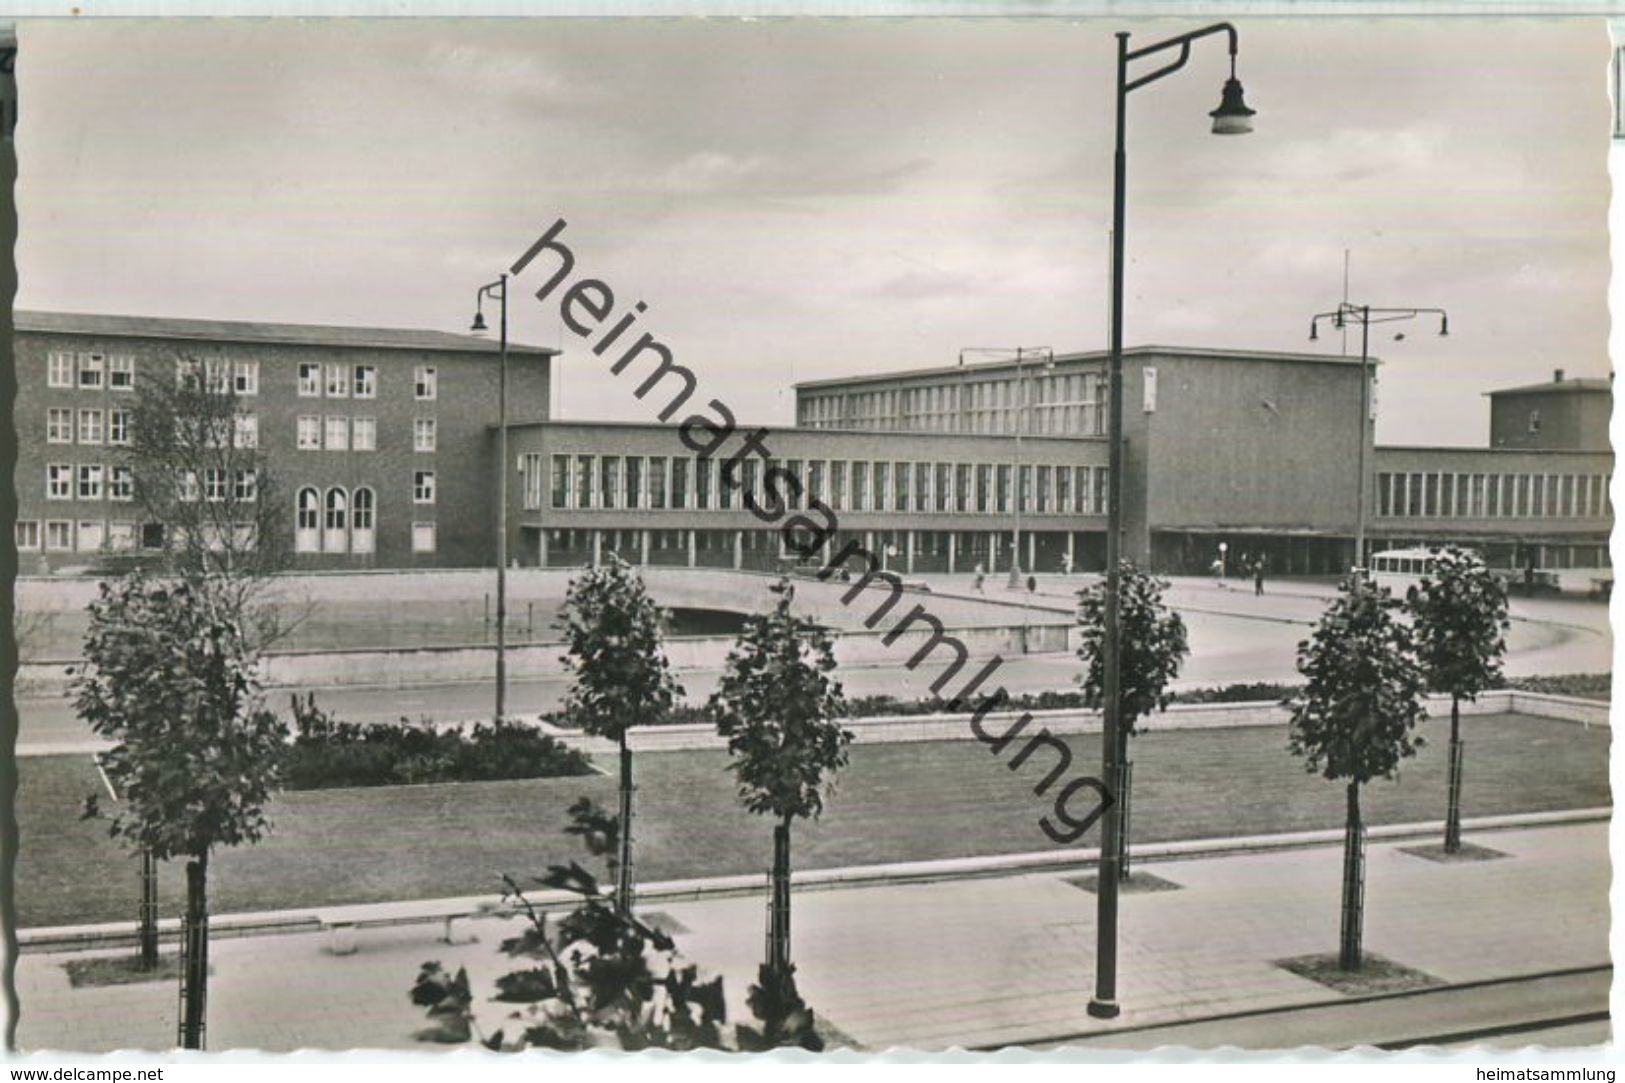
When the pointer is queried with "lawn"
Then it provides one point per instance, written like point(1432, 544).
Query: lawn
point(899, 802)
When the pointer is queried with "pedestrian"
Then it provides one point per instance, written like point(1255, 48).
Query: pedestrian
point(1032, 584)
point(1258, 575)
point(1217, 569)
point(981, 578)
point(1066, 563)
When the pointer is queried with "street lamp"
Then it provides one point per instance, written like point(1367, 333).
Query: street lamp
point(1365, 316)
point(499, 291)
point(1232, 117)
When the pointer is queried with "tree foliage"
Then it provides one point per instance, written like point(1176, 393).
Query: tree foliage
point(1153, 644)
point(172, 683)
point(612, 634)
point(1459, 620)
point(778, 706)
point(1356, 716)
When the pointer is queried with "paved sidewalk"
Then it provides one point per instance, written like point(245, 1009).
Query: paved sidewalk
point(967, 963)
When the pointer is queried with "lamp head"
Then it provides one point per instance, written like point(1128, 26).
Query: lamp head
point(478, 326)
point(1314, 331)
point(1444, 326)
point(1232, 117)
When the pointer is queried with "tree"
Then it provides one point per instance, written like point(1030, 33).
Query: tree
point(1153, 649)
point(778, 706)
point(1355, 717)
point(195, 756)
point(1459, 617)
point(206, 491)
point(612, 629)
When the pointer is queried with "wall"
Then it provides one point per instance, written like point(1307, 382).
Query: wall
point(1571, 418)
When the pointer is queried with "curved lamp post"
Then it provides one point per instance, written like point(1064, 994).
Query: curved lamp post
point(1365, 316)
point(1232, 117)
point(499, 291)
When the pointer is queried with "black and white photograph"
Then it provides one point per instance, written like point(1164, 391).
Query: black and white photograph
point(1080, 532)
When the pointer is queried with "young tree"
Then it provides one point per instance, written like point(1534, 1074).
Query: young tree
point(213, 510)
point(195, 756)
point(778, 706)
point(1459, 617)
point(1355, 717)
point(1153, 649)
point(612, 631)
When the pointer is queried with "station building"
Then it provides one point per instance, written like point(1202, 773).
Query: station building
point(384, 442)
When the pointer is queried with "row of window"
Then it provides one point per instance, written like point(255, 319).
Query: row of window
point(88, 481)
point(340, 381)
point(92, 371)
point(1451, 495)
point(1072, 404)
point(340, 521)
point(214, 485)
point(316, 433)
point(678, 482)
point(96, 427)
point(86, 536)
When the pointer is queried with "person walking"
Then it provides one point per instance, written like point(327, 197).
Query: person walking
point(1258, 574)
point(981, 579)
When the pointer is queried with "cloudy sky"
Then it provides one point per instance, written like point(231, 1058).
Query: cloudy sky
point(805, 199)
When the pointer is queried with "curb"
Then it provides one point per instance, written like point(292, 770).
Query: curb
point(310, 919)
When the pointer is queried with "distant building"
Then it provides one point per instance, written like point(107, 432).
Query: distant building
point(1563, 415)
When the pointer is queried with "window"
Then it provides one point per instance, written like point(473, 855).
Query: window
point(27, 534)
point(561, 481)
point(837, 485)
point(310, 380)
point(245, 377)
point(90, 426)
point(214, 484)
point(152, 535)
point(338, 383)
point(423, 487)
point(705, 469)
point(59, 370)
point(361, 517)
point(423, 389)
point(679, 480)
point(186, 487)
point(58, 481)
point(338, 434)
point(58, 426)
point(364, 434)
point(245, 431)
point(335, 517)
point(90, 481)
point(609, 480)
point(364, 383)
point(1534, 421)
point(90, 369)
point(657, 482)
point(902, 488)
point(944, 486)
point(310, 432)
point(121, 372)
point(422, 537)
point(58, 535)
point(121, 536)
point(118, 427)
point(245, 486)
point(307, 522)
point(634, 481)
point(423, 434)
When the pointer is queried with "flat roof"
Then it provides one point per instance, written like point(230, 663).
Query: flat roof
point(1089, 356)
point(1584, 383)
point(801, 430)
point(284, 334)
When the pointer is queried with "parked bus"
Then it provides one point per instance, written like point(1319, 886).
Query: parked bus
point(1401, 569)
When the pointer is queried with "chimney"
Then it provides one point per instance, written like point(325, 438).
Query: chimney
point(1557, 376)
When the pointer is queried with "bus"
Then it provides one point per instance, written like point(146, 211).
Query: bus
point(1401, 569)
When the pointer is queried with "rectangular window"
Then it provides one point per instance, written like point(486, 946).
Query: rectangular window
point(121, 536)
point(1102, 490)
point(245, 486)
point(90, 481)
point(1413, 496)
point(1537, 495)
point(90, 426)
point(118, 427)
point(902, 487)
point(531, 469)
point(338, 383)
point(59, 370)
point(881, 486)
point(422, 537)
point(90, 370)
point(364, 434)
point(245, 431)
point(423, 434)
point(1385, 495)
point(1063, 490)
point(944, 486)
point(27, 534)
point(58, 426)
point(424, 383)
point(634, 481)
point(245, 377)
point(584, 481)
point(310, 432)
point(561, 481)
point(214, 484)
point(1042, 502)
point(59, 481)
point(364, 381)
point(58, 535)
point(609, 480)
point(1026, 494)
point(837, 485)
point(310, 380)
point(679, 480)
point(1002, 488)
point(860, 486)
point(91, 534)
point(423, 487)
point(1492, 498)
point(338, 434)
point(815, 482)
point(120, 483)
point(186, 487)
point(922, 486)
point(121, 372)
point(704, 471)
point(657, 482)
point(962, 488)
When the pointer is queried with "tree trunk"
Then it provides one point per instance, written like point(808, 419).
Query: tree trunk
point(195, 955)
point(147, 936)
point(778, 919)
point(1353, 883)
point(623, 868)
point(1452, 819)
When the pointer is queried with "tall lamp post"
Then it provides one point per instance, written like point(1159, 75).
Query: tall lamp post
point(1365, 316)
point(499, 291)
point(1232, 117)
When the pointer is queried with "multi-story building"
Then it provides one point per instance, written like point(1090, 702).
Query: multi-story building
point(380, 439)
point(1563, 415)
